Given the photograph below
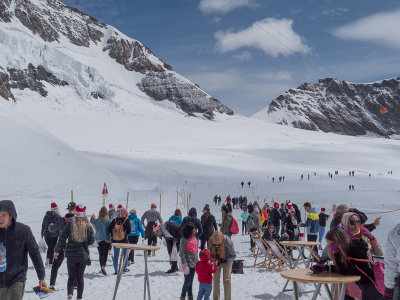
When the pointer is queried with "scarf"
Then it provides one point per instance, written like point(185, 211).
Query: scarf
point(217, 245)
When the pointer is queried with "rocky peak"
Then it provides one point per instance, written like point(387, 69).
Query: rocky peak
point(333, 105)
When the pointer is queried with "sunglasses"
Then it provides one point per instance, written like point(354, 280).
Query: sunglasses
point(353, 222)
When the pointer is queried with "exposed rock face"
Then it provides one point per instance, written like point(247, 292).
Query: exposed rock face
point(59, 24)
point(31, 79)
point(5, 91)
point(339, 106)
point(53, 19)
point(186, 95)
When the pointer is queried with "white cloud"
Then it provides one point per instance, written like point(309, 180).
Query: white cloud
point(270, 35)
point(380, 28)
point(222, 6)
point(245, 55)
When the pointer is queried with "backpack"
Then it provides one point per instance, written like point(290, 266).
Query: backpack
point(378, 267)
point(118, 231)
point(234, 226)
point(251, 223)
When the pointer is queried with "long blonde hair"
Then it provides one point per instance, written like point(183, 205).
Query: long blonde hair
point(79, 229)
point(103, 213)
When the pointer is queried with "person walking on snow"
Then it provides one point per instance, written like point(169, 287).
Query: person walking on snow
point(80, 234)
point(136, 230)
point(226, 221)
point(188, 254)
point(209, 226)
point(50, 231)
point(171, 233)
point(102, 237)
point(151, 216)
point(18, 241)
point(245, 214)
point(192, 218)
point(204, 270)
point(323, 217)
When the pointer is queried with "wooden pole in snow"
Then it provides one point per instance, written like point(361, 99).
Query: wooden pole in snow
point(127, 200)
point(176, 199)
point(72, 196)
point(160, 203)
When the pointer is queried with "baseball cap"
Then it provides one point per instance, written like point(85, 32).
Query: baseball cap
point(71, 206)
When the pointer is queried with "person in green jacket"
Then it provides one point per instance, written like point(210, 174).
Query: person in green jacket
point(245, 214)
point(226, 221)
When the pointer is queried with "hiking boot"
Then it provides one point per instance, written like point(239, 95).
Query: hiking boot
point(126, 270)
point(182, 298)
point(51, 287)
point(170, 271)
point(190, 297)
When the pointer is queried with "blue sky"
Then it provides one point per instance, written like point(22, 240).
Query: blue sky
point(247, 52)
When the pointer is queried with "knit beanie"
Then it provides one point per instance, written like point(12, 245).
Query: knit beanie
point(205, 255)
point(54, 206)
point(80, 211)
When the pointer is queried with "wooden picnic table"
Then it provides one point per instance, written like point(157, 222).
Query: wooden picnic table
point(323, 278)
point(130, 247)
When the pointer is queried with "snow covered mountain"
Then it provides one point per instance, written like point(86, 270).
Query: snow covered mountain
point(47, 43)
point(339, 106)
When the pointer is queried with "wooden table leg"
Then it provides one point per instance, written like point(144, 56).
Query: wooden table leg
point(146, 277)
point(343, 291)
point(296, 291)
point(328, 291)
point(316, 292)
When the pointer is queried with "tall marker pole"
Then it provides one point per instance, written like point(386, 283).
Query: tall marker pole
point(104, 193)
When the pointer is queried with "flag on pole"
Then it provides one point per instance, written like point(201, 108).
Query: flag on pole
point(105, 190)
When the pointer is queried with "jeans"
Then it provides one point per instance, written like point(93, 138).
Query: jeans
point(277, 229)
point(244, 228)
point(75, 274)
point(116, 256)
point(321, 232)
point(204, 290)
point(252, 243)
point(188, 283)
point(313, 238)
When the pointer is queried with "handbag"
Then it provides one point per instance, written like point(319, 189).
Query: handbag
point(378, 267)
point(174, 254)
point(237, 266)
point(42, 245)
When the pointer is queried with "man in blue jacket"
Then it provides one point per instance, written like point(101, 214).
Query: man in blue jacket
point(18, 241)
point(312, 224)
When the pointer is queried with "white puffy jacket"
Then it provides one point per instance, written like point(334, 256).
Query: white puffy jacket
point(392, 257)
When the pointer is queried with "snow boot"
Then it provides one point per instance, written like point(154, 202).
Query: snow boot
point(182, 298)
point(190, 297)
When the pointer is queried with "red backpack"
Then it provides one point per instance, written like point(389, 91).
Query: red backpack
point(234, 226)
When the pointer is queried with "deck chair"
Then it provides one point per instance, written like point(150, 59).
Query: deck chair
point(260, 252)
point(278, 256)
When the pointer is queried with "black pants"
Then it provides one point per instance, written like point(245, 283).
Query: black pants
point(132, 240)
point(103, 249)
point(56, 265)
point(151, 241)
point(252, 243)
point(51, 244)
point(313, 238)
point(75, 274)
point(244, 228)
point(203, 244)
point(170, 244)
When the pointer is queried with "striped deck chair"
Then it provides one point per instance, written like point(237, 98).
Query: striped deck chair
point(278, 259)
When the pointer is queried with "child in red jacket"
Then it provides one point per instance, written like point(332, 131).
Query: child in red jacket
point(205, 269)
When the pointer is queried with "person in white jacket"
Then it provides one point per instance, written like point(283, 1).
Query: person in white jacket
point(392, 264)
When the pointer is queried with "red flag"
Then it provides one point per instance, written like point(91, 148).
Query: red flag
point(105, 190)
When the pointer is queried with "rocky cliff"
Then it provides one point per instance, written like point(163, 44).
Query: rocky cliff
point(339, 106)
point(55, 26)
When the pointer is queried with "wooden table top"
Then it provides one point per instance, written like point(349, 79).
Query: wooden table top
point(307, 276)
point(298, 243)
point(135, 246)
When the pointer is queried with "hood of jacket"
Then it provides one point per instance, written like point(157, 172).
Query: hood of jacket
point(8, 206)
point(346, 218)
point(132, 217)
point(193, 212)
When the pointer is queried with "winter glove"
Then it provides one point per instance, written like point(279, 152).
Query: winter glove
point(318, 268)
point(185, 269)
point(388, 294)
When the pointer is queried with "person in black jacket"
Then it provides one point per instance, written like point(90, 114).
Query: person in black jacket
point(209, 226)
point(346, 254)
point(171, 232)
point(121, 220)
point(80, 235)
point(50, 231)
point(18, 241)
point(192, 218)
point(274, 217)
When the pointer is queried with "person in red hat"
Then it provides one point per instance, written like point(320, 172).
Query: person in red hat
point(112, 213)
point(80, 234)
point(274, 217)
point(49, 231)
point(204, 270)
point(323, 217)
